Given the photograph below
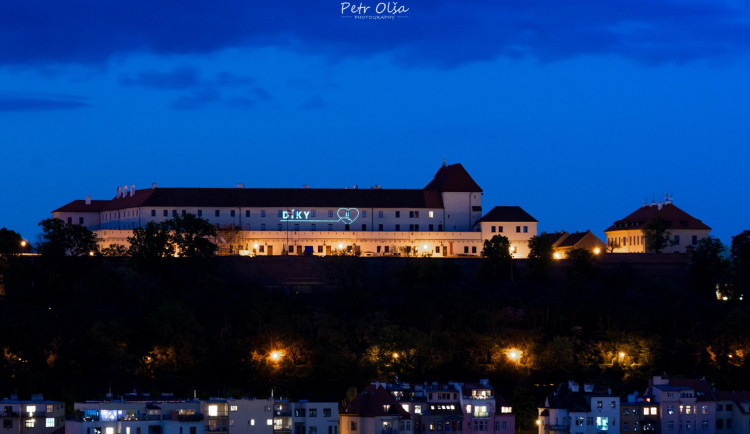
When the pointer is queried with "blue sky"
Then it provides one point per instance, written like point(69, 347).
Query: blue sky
point(578, 111)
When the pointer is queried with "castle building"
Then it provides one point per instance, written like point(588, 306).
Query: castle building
point(628, 236)
point(442, 219)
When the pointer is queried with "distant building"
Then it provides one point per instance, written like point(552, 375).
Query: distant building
point(34, 416)
point(732, 412)
point(441, 219)
point(685, 405)
point(579, 410)
point(627, 235)
point(513, 223)
point(137, 414)
point(471, 408)
point(564, 242)
point(639, 414)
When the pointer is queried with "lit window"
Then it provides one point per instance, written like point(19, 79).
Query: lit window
point(506, 409)
point(602, 423)
point(251, 422)
point(417, 408)
point(109, 430)
point(269, 422)
point(404, 406)
point(50, 422)
point(232, 408)
point(30, 409)
point(430, 214)
point(480, 411)
point(213, 410)
point(29, 423)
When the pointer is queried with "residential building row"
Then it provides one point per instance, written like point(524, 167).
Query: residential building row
point(403, 408)
point(667, 406)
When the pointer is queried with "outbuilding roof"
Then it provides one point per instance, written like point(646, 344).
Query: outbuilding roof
point(674, 216)
point(507, 214)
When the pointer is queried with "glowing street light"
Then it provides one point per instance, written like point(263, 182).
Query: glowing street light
point(276, 355)
point(395, 356)
point(557, 255)
point(597, 250)
point(621, 355)
point(514, 355)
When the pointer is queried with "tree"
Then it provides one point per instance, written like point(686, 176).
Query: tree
point(612, 245)
point(708, 265)
point(65, 239)
point(740, 254)
point(497, 260)
point(10, 243)
point(657, 235)
point(114, 250)
point(192, 236)
point(151, 241)
point(540, 256)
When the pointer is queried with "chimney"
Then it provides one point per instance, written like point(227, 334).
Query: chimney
point(240, 185)
point(124, 190)
point(660, 205)
point(132, 190)
point(153, 185)
point(88, 199)
point(119, 192)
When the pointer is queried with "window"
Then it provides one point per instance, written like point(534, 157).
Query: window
point(247, 213)
point(70, 220)
point(480, 425)
point(296, 226)
point(200, 213)
point(299, 412)
point(364, 227)
point(602, 423)
point(525, 229)
point(353, 426)
point(213, 410)
point(670, 409)
point(278, 227)
point(466, 249)
point(364, 214)
point(313, 430)
point(411, 228)
point(50, 422)
point(346, 227)
point(217, 213)
point(635, 426)
point(416, 228)
point(174, 213)
point(380, 214)
point(694, 241)
point(380, 227)
point(313, 227)
point(386, 249)
point(416, 214)
point(473, 249)
point(7, 423)
point(29, 423)
point(251, 422)
point(729, 407)
point(232, 408)
point(599, 404)
point(719, 407)
point(417, 408)
point(166, 213)
point(330, 226)
point(313, 213)
point(269, 422)
point(481, 411)
point(625, 411)
point(261, 249)
point(719, 423)
point(313, 412)
point(430, 214)
point(676, 240)
point(500, 229)
point(398, 227)
point(279, 213)
point(518, 229)
point(262, 213)
point(704, 409)
point(330, 213)
point(431, 227)
point(624, 426)
point(411, 214)
point(291, 249)
point(263, 226)
point(440, 227)
point(153, 213)
point(613, 404)
point(579, 421)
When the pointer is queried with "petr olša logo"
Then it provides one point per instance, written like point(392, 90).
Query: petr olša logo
point(382, 9)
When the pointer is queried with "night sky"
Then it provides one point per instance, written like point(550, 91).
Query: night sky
point(577, 111)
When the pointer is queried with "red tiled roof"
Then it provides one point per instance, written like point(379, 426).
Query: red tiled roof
point(675, 217)
point(507, 214)
point(453, 178)
point(80, 206)
point(375, 401)
point(270, 197)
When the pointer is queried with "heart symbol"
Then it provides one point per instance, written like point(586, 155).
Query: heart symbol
point(347, 215)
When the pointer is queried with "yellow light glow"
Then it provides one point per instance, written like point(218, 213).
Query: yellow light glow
point(514, 354)
point(425, 246)
point(91, 253)
point(537, 422)
point(341, 246)
point(23, 243)
point(557, 255)
point(395, 355)
point(255, 246)
point(597, 251)
point(275, 355)
point(621, 355)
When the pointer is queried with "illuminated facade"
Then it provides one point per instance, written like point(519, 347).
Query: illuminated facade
point(443, 219)
point(627, 236)
point(35, 416)
point(579, 410)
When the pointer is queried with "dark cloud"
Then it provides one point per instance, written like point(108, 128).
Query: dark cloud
point(438, 32)
point(11, 103)
point(184, 77)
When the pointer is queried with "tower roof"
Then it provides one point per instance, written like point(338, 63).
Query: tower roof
point(453, 178)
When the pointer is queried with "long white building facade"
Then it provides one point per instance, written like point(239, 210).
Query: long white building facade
point(443, 219)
